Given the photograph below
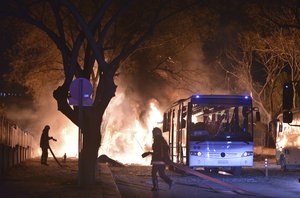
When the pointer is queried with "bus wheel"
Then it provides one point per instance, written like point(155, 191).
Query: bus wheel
point(283, 163)
point(211, 170)
point(237, 171)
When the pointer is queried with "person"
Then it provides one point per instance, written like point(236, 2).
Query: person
point(44, 144)
point(65, 157)
point(160, 156)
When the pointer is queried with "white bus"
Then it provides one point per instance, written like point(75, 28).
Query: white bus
point(211, 131)
point(288, 142)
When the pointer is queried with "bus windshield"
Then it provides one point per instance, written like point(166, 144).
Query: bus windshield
point(221, 123)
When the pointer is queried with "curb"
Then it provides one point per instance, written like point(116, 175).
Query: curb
point(109, 186)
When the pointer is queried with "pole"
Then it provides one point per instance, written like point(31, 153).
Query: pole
point(79, 131)
point(266, 168)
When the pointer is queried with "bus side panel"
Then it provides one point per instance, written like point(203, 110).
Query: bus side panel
point(293, 156)
point(288, 141)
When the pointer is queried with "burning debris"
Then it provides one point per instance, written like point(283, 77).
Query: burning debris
point(109, 161)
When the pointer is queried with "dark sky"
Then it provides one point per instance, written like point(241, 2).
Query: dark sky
point(5, 41)
point(7, 38)
point(17, 93)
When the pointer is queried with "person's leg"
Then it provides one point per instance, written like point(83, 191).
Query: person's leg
point(162, 174)
point(154, 177)
point(42, 157)
point(46, 156)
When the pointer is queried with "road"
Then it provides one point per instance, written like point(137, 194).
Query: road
point(135, 181)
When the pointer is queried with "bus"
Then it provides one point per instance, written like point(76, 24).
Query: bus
point(288, 129)
point(288, 142)
point(211, 132)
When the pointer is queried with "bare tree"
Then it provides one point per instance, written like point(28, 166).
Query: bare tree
point(289, 52)
point(284, 17)
point(93, 39)
point(257, 66)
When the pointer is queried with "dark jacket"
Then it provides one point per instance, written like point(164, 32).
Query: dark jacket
point(44, 141)
point(160, 149)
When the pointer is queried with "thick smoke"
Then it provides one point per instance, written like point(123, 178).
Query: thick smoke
point(126, 128)
point(33, 117)
point(122, 139)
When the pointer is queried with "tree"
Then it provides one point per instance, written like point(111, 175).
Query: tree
point(261, 65)
point(257, 66)
point(257, 49)
point(92, 45)
point(284, 17)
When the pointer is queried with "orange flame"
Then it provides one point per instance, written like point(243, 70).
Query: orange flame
point(128, 144)
point(124, 138)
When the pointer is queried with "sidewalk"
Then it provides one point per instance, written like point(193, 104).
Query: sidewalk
point(109, 186)
point(31, 179)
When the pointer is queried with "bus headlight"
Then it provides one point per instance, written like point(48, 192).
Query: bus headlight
point(247, 153)
point(196, 153)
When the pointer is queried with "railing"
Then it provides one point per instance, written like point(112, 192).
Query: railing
point(15, 144)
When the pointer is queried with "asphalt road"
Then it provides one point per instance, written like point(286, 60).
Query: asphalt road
point(135, 181)
point(31, 179)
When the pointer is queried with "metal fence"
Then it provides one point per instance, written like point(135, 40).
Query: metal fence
point(15, 144)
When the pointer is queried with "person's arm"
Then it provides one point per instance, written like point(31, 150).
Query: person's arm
point(52, 139)
point(147, 153)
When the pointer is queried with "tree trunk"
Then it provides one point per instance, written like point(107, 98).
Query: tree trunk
point(91, 144)
point(90, 126)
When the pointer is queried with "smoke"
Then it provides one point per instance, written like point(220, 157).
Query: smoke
point(141, 98)
point(129, 118)
point(32, 117)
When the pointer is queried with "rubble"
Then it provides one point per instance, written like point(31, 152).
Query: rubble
point(109, 161)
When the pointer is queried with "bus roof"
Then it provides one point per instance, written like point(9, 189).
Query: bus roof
point(226, 100)
point(230, 100)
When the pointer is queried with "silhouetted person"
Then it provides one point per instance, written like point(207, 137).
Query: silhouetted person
point(44, 144)
point(65, 157)
point(160, 156)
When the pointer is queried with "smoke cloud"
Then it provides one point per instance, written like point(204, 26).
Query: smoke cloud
point(32, 117)
point(141, 98)
point(128, 122)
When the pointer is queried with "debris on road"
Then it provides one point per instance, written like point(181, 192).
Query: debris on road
point(109, 161)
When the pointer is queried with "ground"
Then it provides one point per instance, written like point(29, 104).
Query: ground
point(136, 180)
point(31, 179)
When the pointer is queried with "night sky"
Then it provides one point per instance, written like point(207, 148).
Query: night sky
point(8, 37)
point(5, 41)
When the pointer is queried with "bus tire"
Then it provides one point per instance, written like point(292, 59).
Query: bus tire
point(237, 171)
point(211, 170)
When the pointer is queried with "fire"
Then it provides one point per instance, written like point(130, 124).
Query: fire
point(126, 132)
point(128, 143)
point(69, 141)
